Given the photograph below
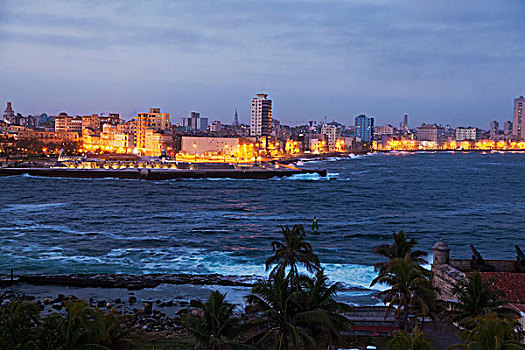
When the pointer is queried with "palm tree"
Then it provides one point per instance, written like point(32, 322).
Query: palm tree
point(400, 248)
point(70, 330)
point(18, 321)
point(475, 298)
point(490, 332)
point(415, 340)
point(106, 330)
point(275, 299)
point(292, 251)
point(410, 287)
point(216, 326)
point(320, 312)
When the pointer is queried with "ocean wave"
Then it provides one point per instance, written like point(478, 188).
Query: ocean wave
point(32, 207)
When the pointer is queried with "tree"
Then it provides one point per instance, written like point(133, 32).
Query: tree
point(490, 332)
point(414, 340)
point(410, 288)
point(70, 330)
point(105, 329)
point(400, 248)
point(292, 251)
point(475, 298)
point(275, 299)
point(319, 312)
point(18, 322)
point(216, 326)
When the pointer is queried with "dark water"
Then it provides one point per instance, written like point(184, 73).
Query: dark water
point(226, 226)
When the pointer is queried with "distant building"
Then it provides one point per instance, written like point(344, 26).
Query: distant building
point(470, 133)
point(9, 115)
point(364, 127)
point(331, 135)
point(387, 130)
point(64, 122)
point(518, 129)
point(494, 128)
point(195, 122)
point(154, 120)
point(430, 133)
point(216, 126)
point(507, 128)
point(236, 119)
point(403, 126)
point(194, 145)
point(261, 116)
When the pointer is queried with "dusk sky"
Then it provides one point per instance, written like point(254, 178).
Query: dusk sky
point(452, 62)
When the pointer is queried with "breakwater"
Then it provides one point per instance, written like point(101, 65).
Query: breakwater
point(161, 174)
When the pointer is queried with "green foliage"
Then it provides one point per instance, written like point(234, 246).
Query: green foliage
point(490, 332)
point(401, 247)
point(217, 324)
point(414, 340)
point(475, 298)
point(292, 251)
point(18, 322)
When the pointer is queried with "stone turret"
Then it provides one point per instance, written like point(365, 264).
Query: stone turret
point(441, 253)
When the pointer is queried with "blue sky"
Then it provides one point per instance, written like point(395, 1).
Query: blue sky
point(455, 62)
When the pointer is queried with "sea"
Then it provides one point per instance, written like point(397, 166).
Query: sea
point(226, 226)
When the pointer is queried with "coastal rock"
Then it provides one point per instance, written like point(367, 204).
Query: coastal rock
point(101, 303)
point(118, 301)
point(195, 303)
point(48, 301)
point(132, 299)
point(148, 307)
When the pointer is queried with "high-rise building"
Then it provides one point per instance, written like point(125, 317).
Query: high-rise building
point(507, 128)
point(331, 135)
point(494, 128)
point(470, 133)
point(261, 116)
point(9, 115)
point(364, 127)
point(518, 127)
point(403, 126)
point(154, 120)
point(195, 122)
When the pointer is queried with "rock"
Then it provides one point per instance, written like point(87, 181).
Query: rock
point(28, 297)
point(101, 303)
point(60, 297)
point(197, 312)
point(132, 299)
point(118, 301)
point(57, 306)
point(195, 303)
point(108, 305)
point(148, 307)
point(157, 301)
point(48, 301)
point(183, 303)
point(170, 303)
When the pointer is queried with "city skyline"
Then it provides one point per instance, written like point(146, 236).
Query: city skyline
point(446, 62)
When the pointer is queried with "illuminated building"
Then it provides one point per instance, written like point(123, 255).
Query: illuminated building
point(261, 116)
point(154, 120)
point(364, 127)
point(48, 136)
point(64, 122)
point(507, 129)
point(216, 126)
point(157, 141)
point(518, 127)
point(331, 135)
point(9, 114)
point(203, 146)
point(472, 134)
point(430, 133)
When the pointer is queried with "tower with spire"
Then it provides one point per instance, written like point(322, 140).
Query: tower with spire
point(236, 119)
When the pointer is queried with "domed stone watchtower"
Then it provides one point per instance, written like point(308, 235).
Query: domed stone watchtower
point(441, 253)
